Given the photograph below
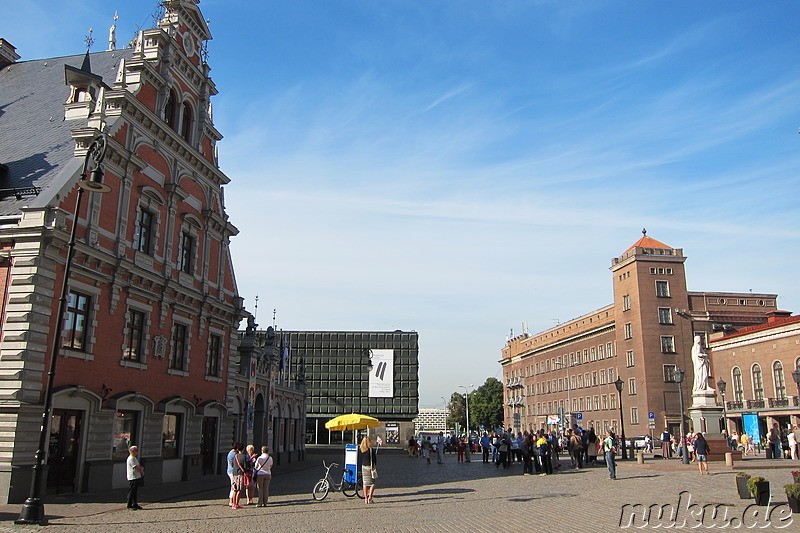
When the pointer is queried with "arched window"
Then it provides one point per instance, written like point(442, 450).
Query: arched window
point(738, 387)
point(169, 109)
point(780, 383)
point(186, 121)
point(758, 383)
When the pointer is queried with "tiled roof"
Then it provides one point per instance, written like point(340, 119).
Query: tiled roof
point(35, 143)
point(773, 322)
point(648, 242)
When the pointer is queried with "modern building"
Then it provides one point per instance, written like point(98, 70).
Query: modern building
point(152, 305)
point(373, 373)
point(569, 374)
point(760, 366)
point(431, 419)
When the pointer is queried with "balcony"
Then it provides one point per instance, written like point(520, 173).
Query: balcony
point(514, 383)
point(754, 404)
point(734, 406)
point(778, 402)
point(515, 401)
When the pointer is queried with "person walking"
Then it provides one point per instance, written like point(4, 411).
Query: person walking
point(263, 475)
point(467, 449)
point(666, 444)
point(251, 488)
point(544, 451)
point(774, 440)
point(426, 449)
point(231, 454)
point(794, 436)
point(485, 445)
point(135, 473)
point(610, 450)
point(701, 451)
point(440, 448)
point(526, 449)
point(242, 470)
point(369, 468)
point(575, 447)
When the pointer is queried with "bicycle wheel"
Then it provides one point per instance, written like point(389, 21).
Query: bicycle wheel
point(321, 489)
point(349, 489)
point(360, 488)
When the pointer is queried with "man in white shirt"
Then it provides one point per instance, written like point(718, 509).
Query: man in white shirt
point(135, 473)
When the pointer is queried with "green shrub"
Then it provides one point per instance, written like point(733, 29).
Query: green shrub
point(792, 490)
point(742, 474)
point(751, 483)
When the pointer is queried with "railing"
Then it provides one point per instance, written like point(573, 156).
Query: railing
point(733, 406)
point(514, 383)
point(755, 404)
point(778, 402)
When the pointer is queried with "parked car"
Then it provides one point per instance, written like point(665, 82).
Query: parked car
point(636, 443)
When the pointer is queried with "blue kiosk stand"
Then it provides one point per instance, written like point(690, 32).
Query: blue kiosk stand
point(351, 463)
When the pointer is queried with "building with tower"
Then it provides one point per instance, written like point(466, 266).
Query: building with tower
point(143, 354)
point(568, 374)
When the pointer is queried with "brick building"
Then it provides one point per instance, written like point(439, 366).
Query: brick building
point(566, 374)
point(153, 305)
point(757, 364)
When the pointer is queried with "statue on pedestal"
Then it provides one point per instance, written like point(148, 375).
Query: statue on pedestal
point(702, 367)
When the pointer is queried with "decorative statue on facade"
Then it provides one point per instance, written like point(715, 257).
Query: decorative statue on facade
point(702, 366)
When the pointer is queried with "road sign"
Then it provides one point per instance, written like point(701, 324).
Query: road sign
point(578, 416)
point(651, 424)
point(651, 415)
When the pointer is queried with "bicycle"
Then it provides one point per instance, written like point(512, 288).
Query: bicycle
point(327, 484)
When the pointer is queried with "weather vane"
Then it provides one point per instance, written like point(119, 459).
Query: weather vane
point(89, 40)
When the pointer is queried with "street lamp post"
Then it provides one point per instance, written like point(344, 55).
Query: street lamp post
point(678, 374)
point(620, 384)
point(721, 386)
point(466, 402)
point(796, 378)
point(569, 395)
point(33, 508)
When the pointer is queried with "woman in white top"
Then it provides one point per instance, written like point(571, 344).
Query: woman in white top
point(263, 471)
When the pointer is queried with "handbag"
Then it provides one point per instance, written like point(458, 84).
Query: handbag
point(374, 472)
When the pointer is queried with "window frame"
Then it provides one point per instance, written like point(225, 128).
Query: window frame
point(132, 438)
point(78, 342)
point(667, 344)
point(179, 348)
point(145, 230)
point(662, 289)
point(173, 451)
point(665, 316)
point(135, 335)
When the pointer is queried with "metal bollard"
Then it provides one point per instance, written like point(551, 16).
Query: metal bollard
point(640, 457)
point(728, 459)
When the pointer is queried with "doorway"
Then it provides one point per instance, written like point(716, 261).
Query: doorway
point(63, 451)
point(208, 444)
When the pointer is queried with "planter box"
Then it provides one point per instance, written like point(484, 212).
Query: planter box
point(794, 505)
point(741, 486)
point(762, 493)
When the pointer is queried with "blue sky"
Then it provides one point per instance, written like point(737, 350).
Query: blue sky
point(460, 167)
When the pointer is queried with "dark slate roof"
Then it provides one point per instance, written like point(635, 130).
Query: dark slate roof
point(35, 140)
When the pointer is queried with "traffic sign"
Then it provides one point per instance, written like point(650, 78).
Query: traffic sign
point(651, 424)
point(651, 415)
point(578, 416)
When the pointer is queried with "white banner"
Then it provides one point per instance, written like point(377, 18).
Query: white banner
point(381, 378)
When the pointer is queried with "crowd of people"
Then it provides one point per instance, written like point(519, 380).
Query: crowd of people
point(250, 474)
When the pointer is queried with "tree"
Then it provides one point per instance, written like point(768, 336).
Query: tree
point(486, 405)
point(457, 410)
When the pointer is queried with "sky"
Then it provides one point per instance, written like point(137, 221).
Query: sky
point(461, 167)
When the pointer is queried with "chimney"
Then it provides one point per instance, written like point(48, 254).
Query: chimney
point(8, 54)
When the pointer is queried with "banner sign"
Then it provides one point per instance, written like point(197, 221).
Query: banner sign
point(381, 378)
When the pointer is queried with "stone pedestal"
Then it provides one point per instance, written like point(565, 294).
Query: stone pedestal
point(707, 419)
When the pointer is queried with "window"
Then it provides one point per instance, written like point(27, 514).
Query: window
point(186, 122)
point(170, 436)
point(605, 401)
point(214, 355)
point(611, 375)
point(665, 315)
point(780, 383)
point(634, 415)
point(125, 434)
point(662, 289)
point(582, 405)
point(186, 253)
point(597, 403)
point(144, 238)
point(613, 398)
point(594, 378)
point(594, 354)
point(628, 331)
point(738, 388)
point(602, 377)
point(626, 302)
point(134, 351)
point(669, 373)
point(632, 386)
point(601, 352)
point(758, 383)
point(77, 322)
point(609, 350)
point(178, 356)
point(667, 344)
point(169, 110)
point(580, 381)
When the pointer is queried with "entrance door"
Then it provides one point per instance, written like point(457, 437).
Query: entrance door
point(208, 443)
point(63, 451)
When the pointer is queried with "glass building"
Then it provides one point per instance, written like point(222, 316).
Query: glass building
point(374, 373)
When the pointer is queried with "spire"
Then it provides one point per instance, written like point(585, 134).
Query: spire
point(87, 65)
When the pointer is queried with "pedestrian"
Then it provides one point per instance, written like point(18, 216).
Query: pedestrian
point(745, 440)
point(701, 450)
point(263, 475)
point(544, 451)
point(515, 452)
point(467, 449)
point(526, 449)
point(235, 447)
point(575, 447)
point(794, 436)
point(412, 446)
point(609, 450)
point(495, 441)
point(503, 451)
point(774, 440)
point(242, 472)
point(485, 446)
point(591, 446)
point(459, 451)
point(666, 448)
point(369, 467)
point(251, 488)
point(440, 448)
point(135, 473)
point(426, 449)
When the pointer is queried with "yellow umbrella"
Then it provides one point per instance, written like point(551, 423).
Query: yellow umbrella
point(352, 421)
